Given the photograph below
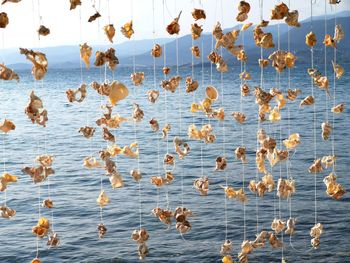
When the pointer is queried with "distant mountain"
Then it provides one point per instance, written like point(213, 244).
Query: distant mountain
point(68, 56)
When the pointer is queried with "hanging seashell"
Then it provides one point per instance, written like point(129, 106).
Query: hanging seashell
point(316, 232)
point(35, 260)
point(7, 212)
point(240, 117)
point(246, 26)
point(118, 91)
point(198, 14)
point(309, 100)
point(227, 259)
point(74, 4)
point(94, 17)
point(174, 27)
point(275, 115)
point(85, 54)
point(245, 90)
point(293, 93)
point(338, 108)
point(328, 161)
point(154, 125)
point(169, 159)
point(107, 135)
point(202, 185)
point(240, 153)
point(108, 57)
point(166, 129)
point(329, 41)
point(310, 39)
point(43, 31)
point(136, 174)
point(91, 162)
point(53, 240)
point(326, 130)
point(166, 70)
point(102, 199)
point(156, 51)
point(7, 126)
point(171, 84)
point(164, 216)
point(48, 203)
point(338, 33)
point(292, 142)
point(87, 131)
point(191, 85)
point(242, 56)
point(274, 241)
point(181, 148)
point(278, 225)
point(280, 11)
point(245, 75)
point(290, 226)
point(137, 113)
point(196, 31)
point(71, 94)
point(8, 74)
point(42, 228)
point(137, 78)
point(38, 60)
point(285, 188)
point(116, 180)
point(196, 51)
point(109, 31)
point(292, 18)
point(4, 20)
point(339, 70)
point(212, 93)
point(334, 2)
point(102, 230)
point(243, 10)
point(316, 167)
point(263, 63)
point(334, 189)
point(221, 163)
point(216, 59)
point(35, 111)
point(153, 95)
point(226, 248)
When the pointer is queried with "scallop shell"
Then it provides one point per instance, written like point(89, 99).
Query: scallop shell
point(118, 92)
point(212, 93)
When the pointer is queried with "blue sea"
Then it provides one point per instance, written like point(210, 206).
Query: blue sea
point(74, 189)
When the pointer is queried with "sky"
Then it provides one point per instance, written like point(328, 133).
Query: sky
point(70, 27)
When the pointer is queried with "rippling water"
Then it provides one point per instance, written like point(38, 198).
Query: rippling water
point(75, 189)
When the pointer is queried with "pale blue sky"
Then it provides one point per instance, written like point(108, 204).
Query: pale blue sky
point(65, 24)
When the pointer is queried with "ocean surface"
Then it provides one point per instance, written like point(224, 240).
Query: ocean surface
point(74, 189)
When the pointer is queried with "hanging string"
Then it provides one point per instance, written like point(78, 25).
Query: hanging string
point(202, 84)
point(4, 162)
point(334, 93)
point(325, 55)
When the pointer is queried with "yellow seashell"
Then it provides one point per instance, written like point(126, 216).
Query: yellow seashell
point(102, 199)
point(227, 259)
point(118, 92)
point(212, 93)
point(35, 260)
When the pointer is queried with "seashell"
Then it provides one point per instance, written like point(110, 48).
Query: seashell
point(45, 160)
point(216, 59)
point(269, 144)
point(166, 70)
point(217, 31)
point(181, 148)
point(191, 85)
point(102, 230)
point(107, 57)
point(338, 108)
point(172, 84)
point(263, 63)
point(326, 130)
point(310, 39)
point(109, 31)
point(240, 153)
point(243, 10)
point(8, 74)
point(85, 54)
point(163, 215)
point(280, 11)
point(205, 133)
point(116, 180)
point(7, 126)
point(290, 226)
point(316, 232)
point(136, 174)
point(338, 33)
point(242, 56)
point(333, 2)
point(7, 212)
point(309, 100)
point(221, 163)
point(226, 248)
point(211, 93)
point(35, 260)
point(262, 97)
point(102, 199)
point(53, 240)
point(118, 92)
point(246, 247)
point(87, 131)
point(5, 179)
point(240, 117)
point(275, 115)
point(274, 241)
point(245, 75)
point(94, 17)
point(316, 167)
point(196, 31)
point(198, 14)
point(71, 94)
point(137, 78)
point(166, 129)
point(38, 174)
point(278, 225)
point(169, 159)
point(285, 188)
point(292, 142)
point(246, 26)
point(4, 20)
point(157, 181)
point(339, 70)
point(127, 29)
point(328, 161)
point(202, 185)
point(142, 251)
point(196, 52)
point(329, 41)
point(334, 189)
point(74, 4)
point(91, 162)
point(154, 125)
point(43, 30)
point(174, 27)
point(156, 51)
point(293, 93)
point(38, 60)
point(227, 259)
point(292, 18)
point(245, 90)
point(153, 95)
point(107, 135)
point(42, 228)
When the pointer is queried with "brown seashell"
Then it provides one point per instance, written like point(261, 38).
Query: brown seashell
point(53, 240)
point(196, 31)
point(174, 27)
point(338, 33)
point(245, 90)
point(338, 108)
point(38, 60)
point(102, 230)
point(4, 20)
point(326, 130)
point(191, 85)
point(7, 74)
point(85, 54)
point(87, 131)
point(280, 11)
point(310, 39)
point(136, 174)
point(202, 185)
point(153, 95)
point(181, 148)
point(293, 93)
point(71, 94)
point(108, 57)
point(109, 31)
point(338, 69)
point(94, 17)
point(7, 126)
point(212, 93)
point(137, 78)
point(290, 226)
point(137, 113)
point(156, 51)
point(35, 260)
point(221, 163)
point(7, 212)
point(166, 129)
point(169, 159)
point(43, 31)
point(329, 41)
point(309, 100)
point(240, 117)
point(240, 153)
point(263, 63)
point(48, 203)
point(196, 51)
point(316, 167)
point(172, 84)
point(166, 70)
point(243, 10)
point(154, 124)
point(198, 14)
point(127, 30)
point(292, 18)
point(74, 4)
